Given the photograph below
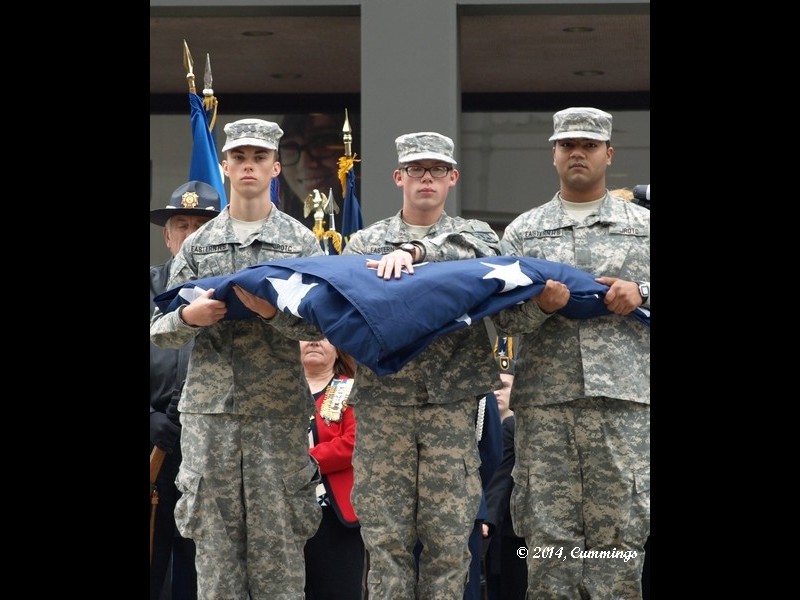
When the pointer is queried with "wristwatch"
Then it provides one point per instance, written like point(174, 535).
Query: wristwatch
point(410, 248)
point(644, 290)
point(180, 316)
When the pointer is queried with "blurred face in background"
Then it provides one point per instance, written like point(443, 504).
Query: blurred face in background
point(309, 154)
point(504, 395)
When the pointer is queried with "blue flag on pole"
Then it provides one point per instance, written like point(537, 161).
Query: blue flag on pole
point(204, 165)
point(352, 220)
point(275, 191)
point(380, 322)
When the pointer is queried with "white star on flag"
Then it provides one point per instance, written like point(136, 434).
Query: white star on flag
point(291, 291)
point(465, 318)
point(511, 274)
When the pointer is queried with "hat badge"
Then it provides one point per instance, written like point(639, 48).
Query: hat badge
point(189, 200)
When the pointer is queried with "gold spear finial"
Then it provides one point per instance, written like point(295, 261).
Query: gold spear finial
point(347, 136)
point(188, 64)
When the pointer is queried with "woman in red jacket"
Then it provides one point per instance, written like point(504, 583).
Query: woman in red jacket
point(335, 555)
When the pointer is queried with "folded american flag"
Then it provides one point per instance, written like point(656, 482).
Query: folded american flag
point(385, 324)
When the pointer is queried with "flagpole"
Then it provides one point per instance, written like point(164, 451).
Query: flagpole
point(347, 137)
point(332, 221)
point(331, 205)
point(204, 163)
point(351, 220)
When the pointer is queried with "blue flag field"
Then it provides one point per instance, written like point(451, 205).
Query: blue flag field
point(204, 165)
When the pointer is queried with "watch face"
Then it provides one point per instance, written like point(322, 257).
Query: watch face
point(644, 290)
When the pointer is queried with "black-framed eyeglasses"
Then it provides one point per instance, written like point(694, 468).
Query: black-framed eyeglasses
point(319, 147)
point(418, 172)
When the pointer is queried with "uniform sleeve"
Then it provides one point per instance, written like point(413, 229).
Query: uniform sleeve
point(520, 318)
point(294, 327)
point(167, 330)
point(470, 239)
point(355, 245)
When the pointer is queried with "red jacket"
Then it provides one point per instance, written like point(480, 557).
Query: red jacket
point(333, 450)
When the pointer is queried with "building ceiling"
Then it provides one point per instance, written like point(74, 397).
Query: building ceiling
point(500, 53)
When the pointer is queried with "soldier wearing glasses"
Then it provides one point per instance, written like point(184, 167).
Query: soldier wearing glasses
point(416, 460)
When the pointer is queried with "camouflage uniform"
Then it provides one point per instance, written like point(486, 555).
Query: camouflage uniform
point(582, 407)
point(247, 481)
point(416, 461)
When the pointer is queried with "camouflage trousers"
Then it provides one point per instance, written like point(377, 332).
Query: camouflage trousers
point(416, 477)
point(581, 497)
point(249, 504)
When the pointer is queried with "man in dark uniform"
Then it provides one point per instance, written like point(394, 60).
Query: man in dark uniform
point(191, 205)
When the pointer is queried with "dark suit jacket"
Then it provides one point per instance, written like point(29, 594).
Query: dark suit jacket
point(498, 492)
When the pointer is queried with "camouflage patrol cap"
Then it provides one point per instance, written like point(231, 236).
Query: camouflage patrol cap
point(581, 122)
point(193, 198)
point(252, 132)
point(424, 145)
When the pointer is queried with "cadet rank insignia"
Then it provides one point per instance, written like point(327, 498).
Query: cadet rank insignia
point(335, 402)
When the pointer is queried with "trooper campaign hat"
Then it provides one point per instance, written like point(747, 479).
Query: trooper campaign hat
point(425, 145)
point(581, 122)
point(252, 132)
point(192, 198)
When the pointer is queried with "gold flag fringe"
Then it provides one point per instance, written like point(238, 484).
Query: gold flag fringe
point(209, 103)
point(345, 164)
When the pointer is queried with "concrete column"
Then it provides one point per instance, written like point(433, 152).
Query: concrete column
point(409, 82)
